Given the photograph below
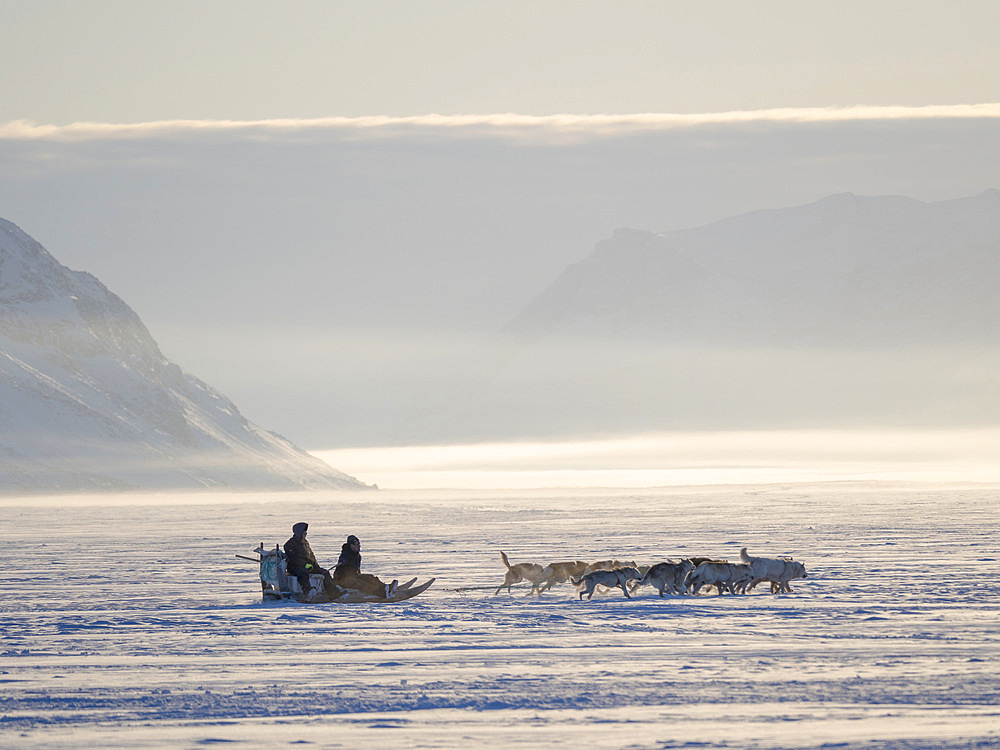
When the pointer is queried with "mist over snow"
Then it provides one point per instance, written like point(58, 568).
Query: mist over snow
point(355, 271)
point(847, 270)
point(88, 402)
point(847, 312)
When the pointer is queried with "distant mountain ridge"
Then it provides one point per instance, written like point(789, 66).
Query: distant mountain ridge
point(844, 271)
point(88, 401)
point(847, 312)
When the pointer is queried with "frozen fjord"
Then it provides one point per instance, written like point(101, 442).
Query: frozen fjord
point(130, 622)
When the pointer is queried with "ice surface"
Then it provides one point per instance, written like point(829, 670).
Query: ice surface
point(133, 624)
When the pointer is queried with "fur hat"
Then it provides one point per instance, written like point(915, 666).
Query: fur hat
point(300, 528)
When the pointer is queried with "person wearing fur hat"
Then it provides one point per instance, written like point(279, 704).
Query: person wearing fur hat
point(301, 562)
point(348, 572)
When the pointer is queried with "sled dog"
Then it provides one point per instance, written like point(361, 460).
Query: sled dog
point(779, 571)
point(557, 572)
point(666, 577)
point(610, 578)
point(793, 569)
point(518, 573)
point(608, 565)
point(730, 577)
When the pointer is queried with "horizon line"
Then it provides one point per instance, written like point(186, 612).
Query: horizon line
point(596, 124)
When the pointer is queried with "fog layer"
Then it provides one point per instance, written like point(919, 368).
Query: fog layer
point(339, 282)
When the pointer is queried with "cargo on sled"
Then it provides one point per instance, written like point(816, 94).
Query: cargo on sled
point(276, 584)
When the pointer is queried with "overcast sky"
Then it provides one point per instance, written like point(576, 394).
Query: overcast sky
point(263, 184)
point(133, 60)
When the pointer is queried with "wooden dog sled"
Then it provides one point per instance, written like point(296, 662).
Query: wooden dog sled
point(276, 584)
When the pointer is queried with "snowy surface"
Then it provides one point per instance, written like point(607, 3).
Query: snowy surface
point(133, 624)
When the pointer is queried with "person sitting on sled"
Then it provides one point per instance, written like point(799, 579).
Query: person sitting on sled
point(301, 562)
point(348, 572)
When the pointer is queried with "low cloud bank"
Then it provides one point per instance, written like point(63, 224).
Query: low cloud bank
point(501, 123)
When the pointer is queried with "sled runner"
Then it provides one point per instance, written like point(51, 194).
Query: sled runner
point(276, 584)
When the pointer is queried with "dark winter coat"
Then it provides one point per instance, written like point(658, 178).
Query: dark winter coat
point(348, 565)
point(299, 554)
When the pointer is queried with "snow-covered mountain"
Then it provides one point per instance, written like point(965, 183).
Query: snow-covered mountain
point(88, 402)
point(844, 271)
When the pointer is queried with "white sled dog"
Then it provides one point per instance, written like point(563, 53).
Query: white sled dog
point(618, 577)
point(666, 576)
point(518, 573)
point(793, 569)
point(725, 576)
point(779, 571)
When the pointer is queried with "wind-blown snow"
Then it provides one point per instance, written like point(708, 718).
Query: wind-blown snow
point(134, 624)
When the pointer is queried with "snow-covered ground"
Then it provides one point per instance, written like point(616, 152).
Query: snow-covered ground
point(130, 622)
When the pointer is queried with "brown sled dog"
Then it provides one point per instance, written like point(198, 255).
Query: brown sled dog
point(518, 573)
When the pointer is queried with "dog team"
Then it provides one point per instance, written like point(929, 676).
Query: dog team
point(686, 576)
